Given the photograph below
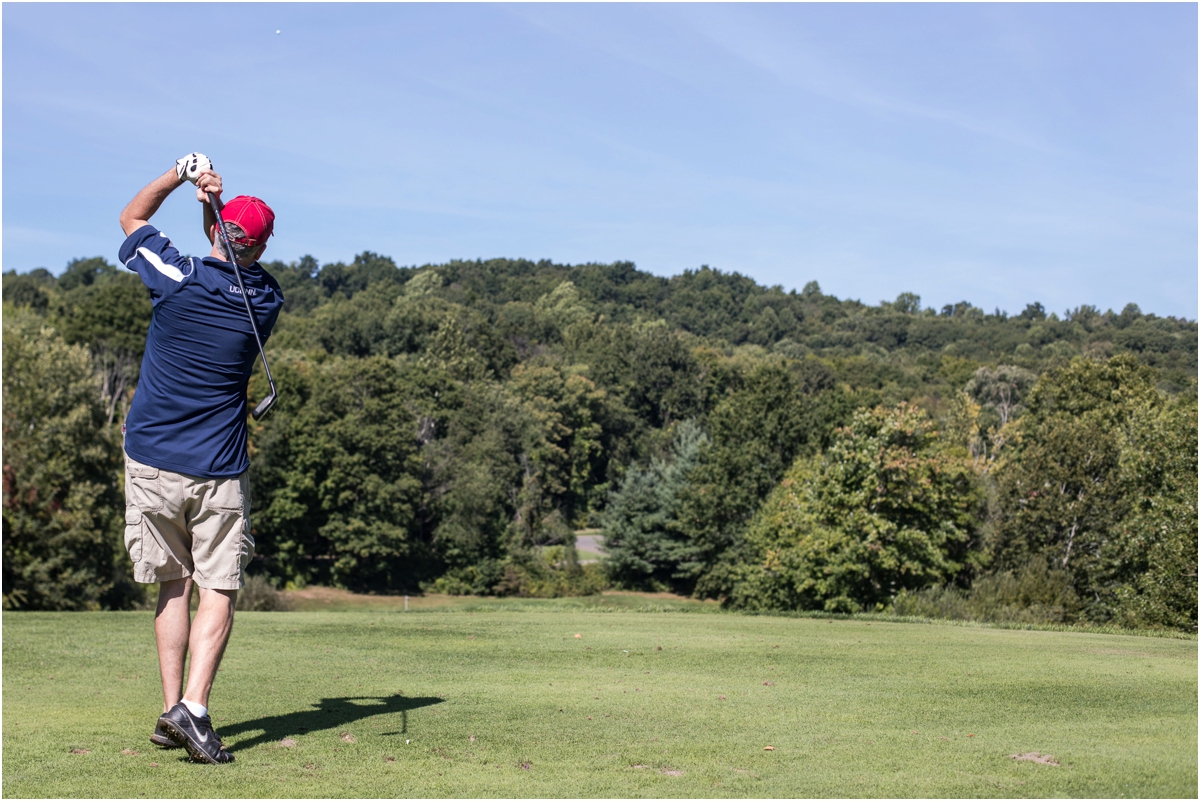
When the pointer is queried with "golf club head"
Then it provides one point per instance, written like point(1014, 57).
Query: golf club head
point(264, 406)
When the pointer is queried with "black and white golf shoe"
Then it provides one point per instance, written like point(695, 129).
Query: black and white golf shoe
point(161, 738)
point(196, 735)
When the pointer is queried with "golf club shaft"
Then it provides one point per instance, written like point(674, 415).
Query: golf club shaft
point(237, 271)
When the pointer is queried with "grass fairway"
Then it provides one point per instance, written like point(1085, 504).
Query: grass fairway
point(503, 700)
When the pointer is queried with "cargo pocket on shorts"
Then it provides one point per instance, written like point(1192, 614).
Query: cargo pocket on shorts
point(134, 533)
point(232, 497)
point(143, 487)
point(246, 546)
point(148, 554)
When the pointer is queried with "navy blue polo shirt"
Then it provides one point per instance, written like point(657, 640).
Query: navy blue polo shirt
point(189, 411)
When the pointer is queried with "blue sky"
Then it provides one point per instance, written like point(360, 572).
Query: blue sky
point(1000, 154)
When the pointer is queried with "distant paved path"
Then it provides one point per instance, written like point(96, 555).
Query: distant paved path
point(588, 545)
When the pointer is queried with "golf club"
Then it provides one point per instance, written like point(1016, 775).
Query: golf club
point(265, 405)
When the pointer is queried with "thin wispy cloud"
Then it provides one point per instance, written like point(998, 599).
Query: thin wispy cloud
point(874, 148)
point(799, 62)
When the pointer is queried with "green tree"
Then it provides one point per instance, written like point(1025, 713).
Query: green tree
point(885, 509)
point(301, 290)
point(497, 487)
point(1148, 566)
point(478, 470)
point(757, 432)
point(340, 475)
point(356, 326)
point(1062, 491)
point(85, 272)
point(999, 393)
point(907, 303)
point(27, 290)
point(1001, 389)
point(565, 464)
point(650, 367)
point(62, 502)
point(111, 317)
point(366, 270)
point(641, 531)
point(503, 398)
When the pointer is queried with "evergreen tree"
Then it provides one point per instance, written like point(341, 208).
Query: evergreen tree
point(641, 532)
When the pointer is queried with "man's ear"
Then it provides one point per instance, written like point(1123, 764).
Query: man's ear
point(261, 250)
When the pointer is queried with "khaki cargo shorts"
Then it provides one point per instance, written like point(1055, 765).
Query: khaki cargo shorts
point(177, 526)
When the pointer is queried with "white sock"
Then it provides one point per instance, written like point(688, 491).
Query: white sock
point(194, 708)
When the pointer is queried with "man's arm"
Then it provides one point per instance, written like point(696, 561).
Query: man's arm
point(146, 202)
point(210, 219)
point(209, 181)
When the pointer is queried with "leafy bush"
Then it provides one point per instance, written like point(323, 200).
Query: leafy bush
point(529, 579)
point(476, 579)
point(551, 572)
point(883, 510)
point(258, 595)
point(1037, 594)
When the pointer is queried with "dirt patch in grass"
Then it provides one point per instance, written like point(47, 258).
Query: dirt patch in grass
point(1034, 756)
point(331, 599)
point(664, 596)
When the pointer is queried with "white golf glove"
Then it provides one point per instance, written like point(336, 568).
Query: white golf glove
point(189, 167)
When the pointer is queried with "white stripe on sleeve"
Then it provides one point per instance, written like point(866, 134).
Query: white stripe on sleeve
point(169, 270)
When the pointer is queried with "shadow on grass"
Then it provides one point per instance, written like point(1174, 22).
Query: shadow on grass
point(328, 713)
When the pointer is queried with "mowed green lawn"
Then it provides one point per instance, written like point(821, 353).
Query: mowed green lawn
point(507, 701)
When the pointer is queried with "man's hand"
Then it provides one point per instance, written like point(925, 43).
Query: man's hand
point(208, 181)
point(190, 166)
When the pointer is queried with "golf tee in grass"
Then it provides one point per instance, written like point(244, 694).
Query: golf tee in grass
point(506, 703)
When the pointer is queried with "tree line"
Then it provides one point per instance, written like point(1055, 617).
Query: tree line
point(450, 427)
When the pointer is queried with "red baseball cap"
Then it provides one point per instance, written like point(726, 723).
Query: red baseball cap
point(252, 216)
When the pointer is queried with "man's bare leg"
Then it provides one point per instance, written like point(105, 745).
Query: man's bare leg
point(172, 622)
point(210, 634)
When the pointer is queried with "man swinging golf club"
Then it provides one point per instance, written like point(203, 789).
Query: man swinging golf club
point(187, 495)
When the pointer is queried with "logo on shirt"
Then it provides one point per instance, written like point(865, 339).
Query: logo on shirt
point(237, 290)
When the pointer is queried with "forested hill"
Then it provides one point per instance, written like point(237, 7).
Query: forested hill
point(735, 310)
point(728, 308)
point(451, 426)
